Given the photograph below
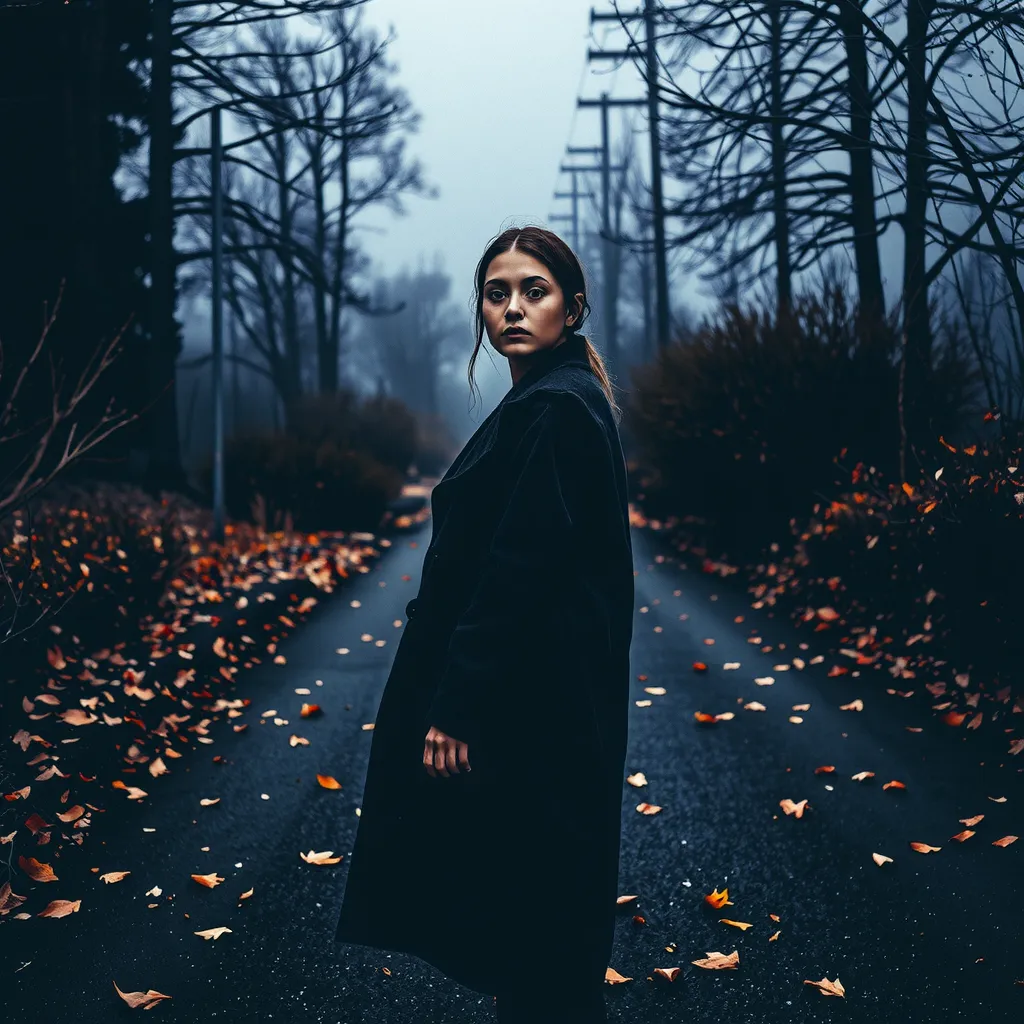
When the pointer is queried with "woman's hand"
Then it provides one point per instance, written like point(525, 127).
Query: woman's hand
point(443, 754)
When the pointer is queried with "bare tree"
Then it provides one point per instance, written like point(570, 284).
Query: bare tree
point(36, 453)
point(291, 245)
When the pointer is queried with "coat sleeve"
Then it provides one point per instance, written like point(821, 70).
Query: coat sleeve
point(524, 568)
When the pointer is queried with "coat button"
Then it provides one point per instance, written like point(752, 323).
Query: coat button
point(410, 609)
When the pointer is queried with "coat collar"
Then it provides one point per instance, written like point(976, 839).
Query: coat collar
point(572, 352)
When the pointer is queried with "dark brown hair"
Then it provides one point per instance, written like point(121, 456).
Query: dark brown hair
point(546, 247)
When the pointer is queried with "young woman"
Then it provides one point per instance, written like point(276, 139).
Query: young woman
point(488, 842)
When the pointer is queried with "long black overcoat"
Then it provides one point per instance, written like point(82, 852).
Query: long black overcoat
point(518, 644)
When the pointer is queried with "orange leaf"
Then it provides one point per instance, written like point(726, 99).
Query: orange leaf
point(719, 961)
point(143, 999)
point(36, 870)
point(613, 977)
point(210, 881)
point(826, 987)
point(925, 848)
point(1005, 841)
point(962, 836)
point(668, 973)
point(718, 899)
point(328, 781)
point(742, 925)
point(60, 908)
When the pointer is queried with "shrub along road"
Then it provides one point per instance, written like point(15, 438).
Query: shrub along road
point(928, 936)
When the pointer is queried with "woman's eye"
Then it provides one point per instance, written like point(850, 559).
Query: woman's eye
point(540, 292)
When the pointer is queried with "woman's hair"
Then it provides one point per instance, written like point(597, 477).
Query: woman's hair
point(546, 247)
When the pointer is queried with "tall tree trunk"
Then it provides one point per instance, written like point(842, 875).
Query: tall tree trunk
point(165, 464)
point(337, 286)
point(325, 384)
point(862, 168)
point(780, 204)
point(290, 321)
point(915, 288)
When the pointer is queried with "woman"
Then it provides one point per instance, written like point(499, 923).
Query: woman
point(489, 838)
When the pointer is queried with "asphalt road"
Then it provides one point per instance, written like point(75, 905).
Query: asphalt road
point(930, 937)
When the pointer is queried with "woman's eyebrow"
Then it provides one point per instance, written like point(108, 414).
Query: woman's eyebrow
point(501, 280)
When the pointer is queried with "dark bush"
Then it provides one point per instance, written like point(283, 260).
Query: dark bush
point(380, 426)
point(94, 560)
point(740, 424)
point(938, 555)
point(273, 478)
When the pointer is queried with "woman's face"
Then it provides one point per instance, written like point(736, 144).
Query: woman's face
point(520, 292)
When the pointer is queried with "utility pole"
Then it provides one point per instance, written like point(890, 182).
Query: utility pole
point(218, 328)
point(575, 195)
point(651, 102)
point(608, 319)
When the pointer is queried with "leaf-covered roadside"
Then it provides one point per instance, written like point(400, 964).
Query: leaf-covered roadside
point(913, 581)
point(161, 685)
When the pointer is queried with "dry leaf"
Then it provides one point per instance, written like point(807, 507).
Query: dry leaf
point(962, 836)
point(648, 808)
point(637, 779)
point(718, 899)
point(791, 808)
point(210, 881)
point(881, 859)
point(742, 925)
point(212, 933)
point(114, 876)
point(328, 781)
point(1005, 841)
point(925, 848)
point(613, 977)
point(668, 973)
point(144, 999)
point(36, 870)
point(828, 988)
point(326, 857)
point(60, 908)
point(719, 961)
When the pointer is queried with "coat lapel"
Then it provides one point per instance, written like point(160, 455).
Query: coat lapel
point(571, 352)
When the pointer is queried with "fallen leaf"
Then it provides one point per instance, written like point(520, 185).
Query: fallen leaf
point(668, 973)
point(114, 876)
point(613, 977)
point(1005, 841)
point(36, 870)
point(828, 988)
point(925, 848)
point(210, 880)
point(881, 859)
point(854, 705)
point(648, 808)
point(791, 808)
point(742, 925)
point(60, 908)
point(144, 999)
point(637, 779)
point(326, 857)
point(328, 781)
point(718, 961)
point(718, 899)
point(212, 933)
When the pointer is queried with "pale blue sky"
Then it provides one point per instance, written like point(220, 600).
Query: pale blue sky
point(496, 84)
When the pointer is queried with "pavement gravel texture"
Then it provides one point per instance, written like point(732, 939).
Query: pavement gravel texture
point(929, 937)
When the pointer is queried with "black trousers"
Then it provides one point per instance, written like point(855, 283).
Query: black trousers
point(554, 1005)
